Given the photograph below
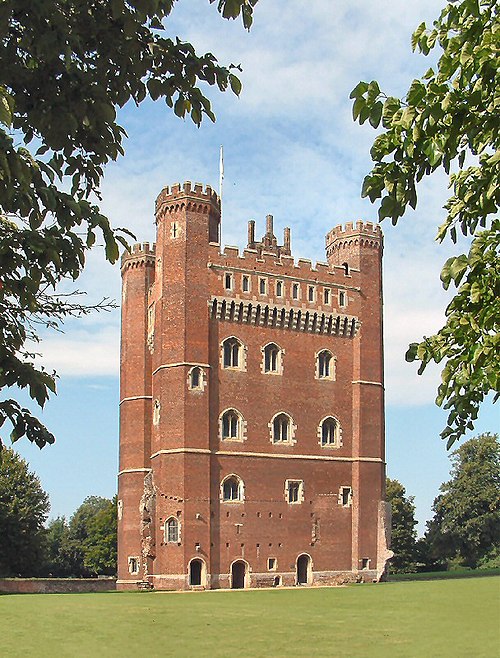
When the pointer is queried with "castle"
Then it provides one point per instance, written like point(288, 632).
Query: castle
point(251, 407)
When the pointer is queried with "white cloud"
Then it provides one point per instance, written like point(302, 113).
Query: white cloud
point(93, 351)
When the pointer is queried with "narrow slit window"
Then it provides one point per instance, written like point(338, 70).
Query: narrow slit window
point(245, 283)
point(326, 295)
point(342, 298)
point(295, 291)
point(262, 286)
point(279, 288)
point(310, 293)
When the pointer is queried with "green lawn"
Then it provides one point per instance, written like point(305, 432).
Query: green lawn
point(424, 619)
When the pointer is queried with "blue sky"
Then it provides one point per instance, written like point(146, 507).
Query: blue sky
point(292, 150)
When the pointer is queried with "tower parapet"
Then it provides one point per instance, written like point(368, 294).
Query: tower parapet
point(141, 254)
point(171, 195)
point(360, 233)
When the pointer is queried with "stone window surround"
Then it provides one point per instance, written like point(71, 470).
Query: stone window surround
point(279, 364)
point(228, 276)
point(345, 490)
point(242, 355)
point(203, 379)
point(241, 489)
point(332, 366)
point(272, 566)
point(338, 434)
point(134, 562)
point(300, 496)
point(164, 527)
point(242, 426)
point(291, 426)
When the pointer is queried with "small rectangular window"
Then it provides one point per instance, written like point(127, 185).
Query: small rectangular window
point(342, 298)
point(365, 562)
point(279, 288)
point(294, 491)
point(310, 293)
point(133, 565)
point(245, 283)
point(262, 286)
point(345, 497)
point(271, 564)
point(295, 291)
point(228, 282)
point(326, 295)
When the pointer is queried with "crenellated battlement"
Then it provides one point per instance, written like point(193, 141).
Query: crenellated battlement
point(252, 259)
point(175, 193)
point(141, 254)
point(360, 234)
point(351, 229)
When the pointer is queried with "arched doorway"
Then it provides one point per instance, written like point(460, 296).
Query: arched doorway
point(196, 573)
point(303, 575)
point(238, 574)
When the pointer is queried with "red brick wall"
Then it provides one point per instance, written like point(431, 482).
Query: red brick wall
point(188, 458)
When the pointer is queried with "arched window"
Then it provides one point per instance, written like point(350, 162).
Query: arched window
point(172, 531)
point(346, 268)
point(282, 428)
point(330, 432)
point(325, 365)
point(196, 378)
point(272, 358)
point(232, 353)
point(232, 489)
point(231, 425)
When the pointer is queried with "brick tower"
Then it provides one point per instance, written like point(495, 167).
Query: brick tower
point(252, 413)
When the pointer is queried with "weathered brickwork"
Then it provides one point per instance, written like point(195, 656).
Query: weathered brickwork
point(252, 406)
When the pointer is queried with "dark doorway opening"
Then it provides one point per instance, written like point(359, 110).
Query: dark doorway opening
point(195, 568)
point(303, 568)
point(238, 572)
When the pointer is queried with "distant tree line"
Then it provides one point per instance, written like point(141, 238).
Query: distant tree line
point(465, 528)
point(84, 546)
point(464, 531)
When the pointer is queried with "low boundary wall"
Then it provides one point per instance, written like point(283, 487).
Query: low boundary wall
point(56, 585)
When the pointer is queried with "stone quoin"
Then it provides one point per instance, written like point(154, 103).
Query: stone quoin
point(251, 407)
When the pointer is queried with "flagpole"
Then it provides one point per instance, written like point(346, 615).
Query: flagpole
point(221, 176)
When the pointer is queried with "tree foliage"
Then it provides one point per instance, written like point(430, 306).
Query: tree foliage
point(66, 66)
point(86, 545)
point(24, 507)
point(403, 533)
point(466, 523)
point(449, 120)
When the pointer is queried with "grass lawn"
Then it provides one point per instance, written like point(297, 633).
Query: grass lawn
point(424, 619)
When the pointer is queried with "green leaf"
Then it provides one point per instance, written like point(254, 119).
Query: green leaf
point(235, 84)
